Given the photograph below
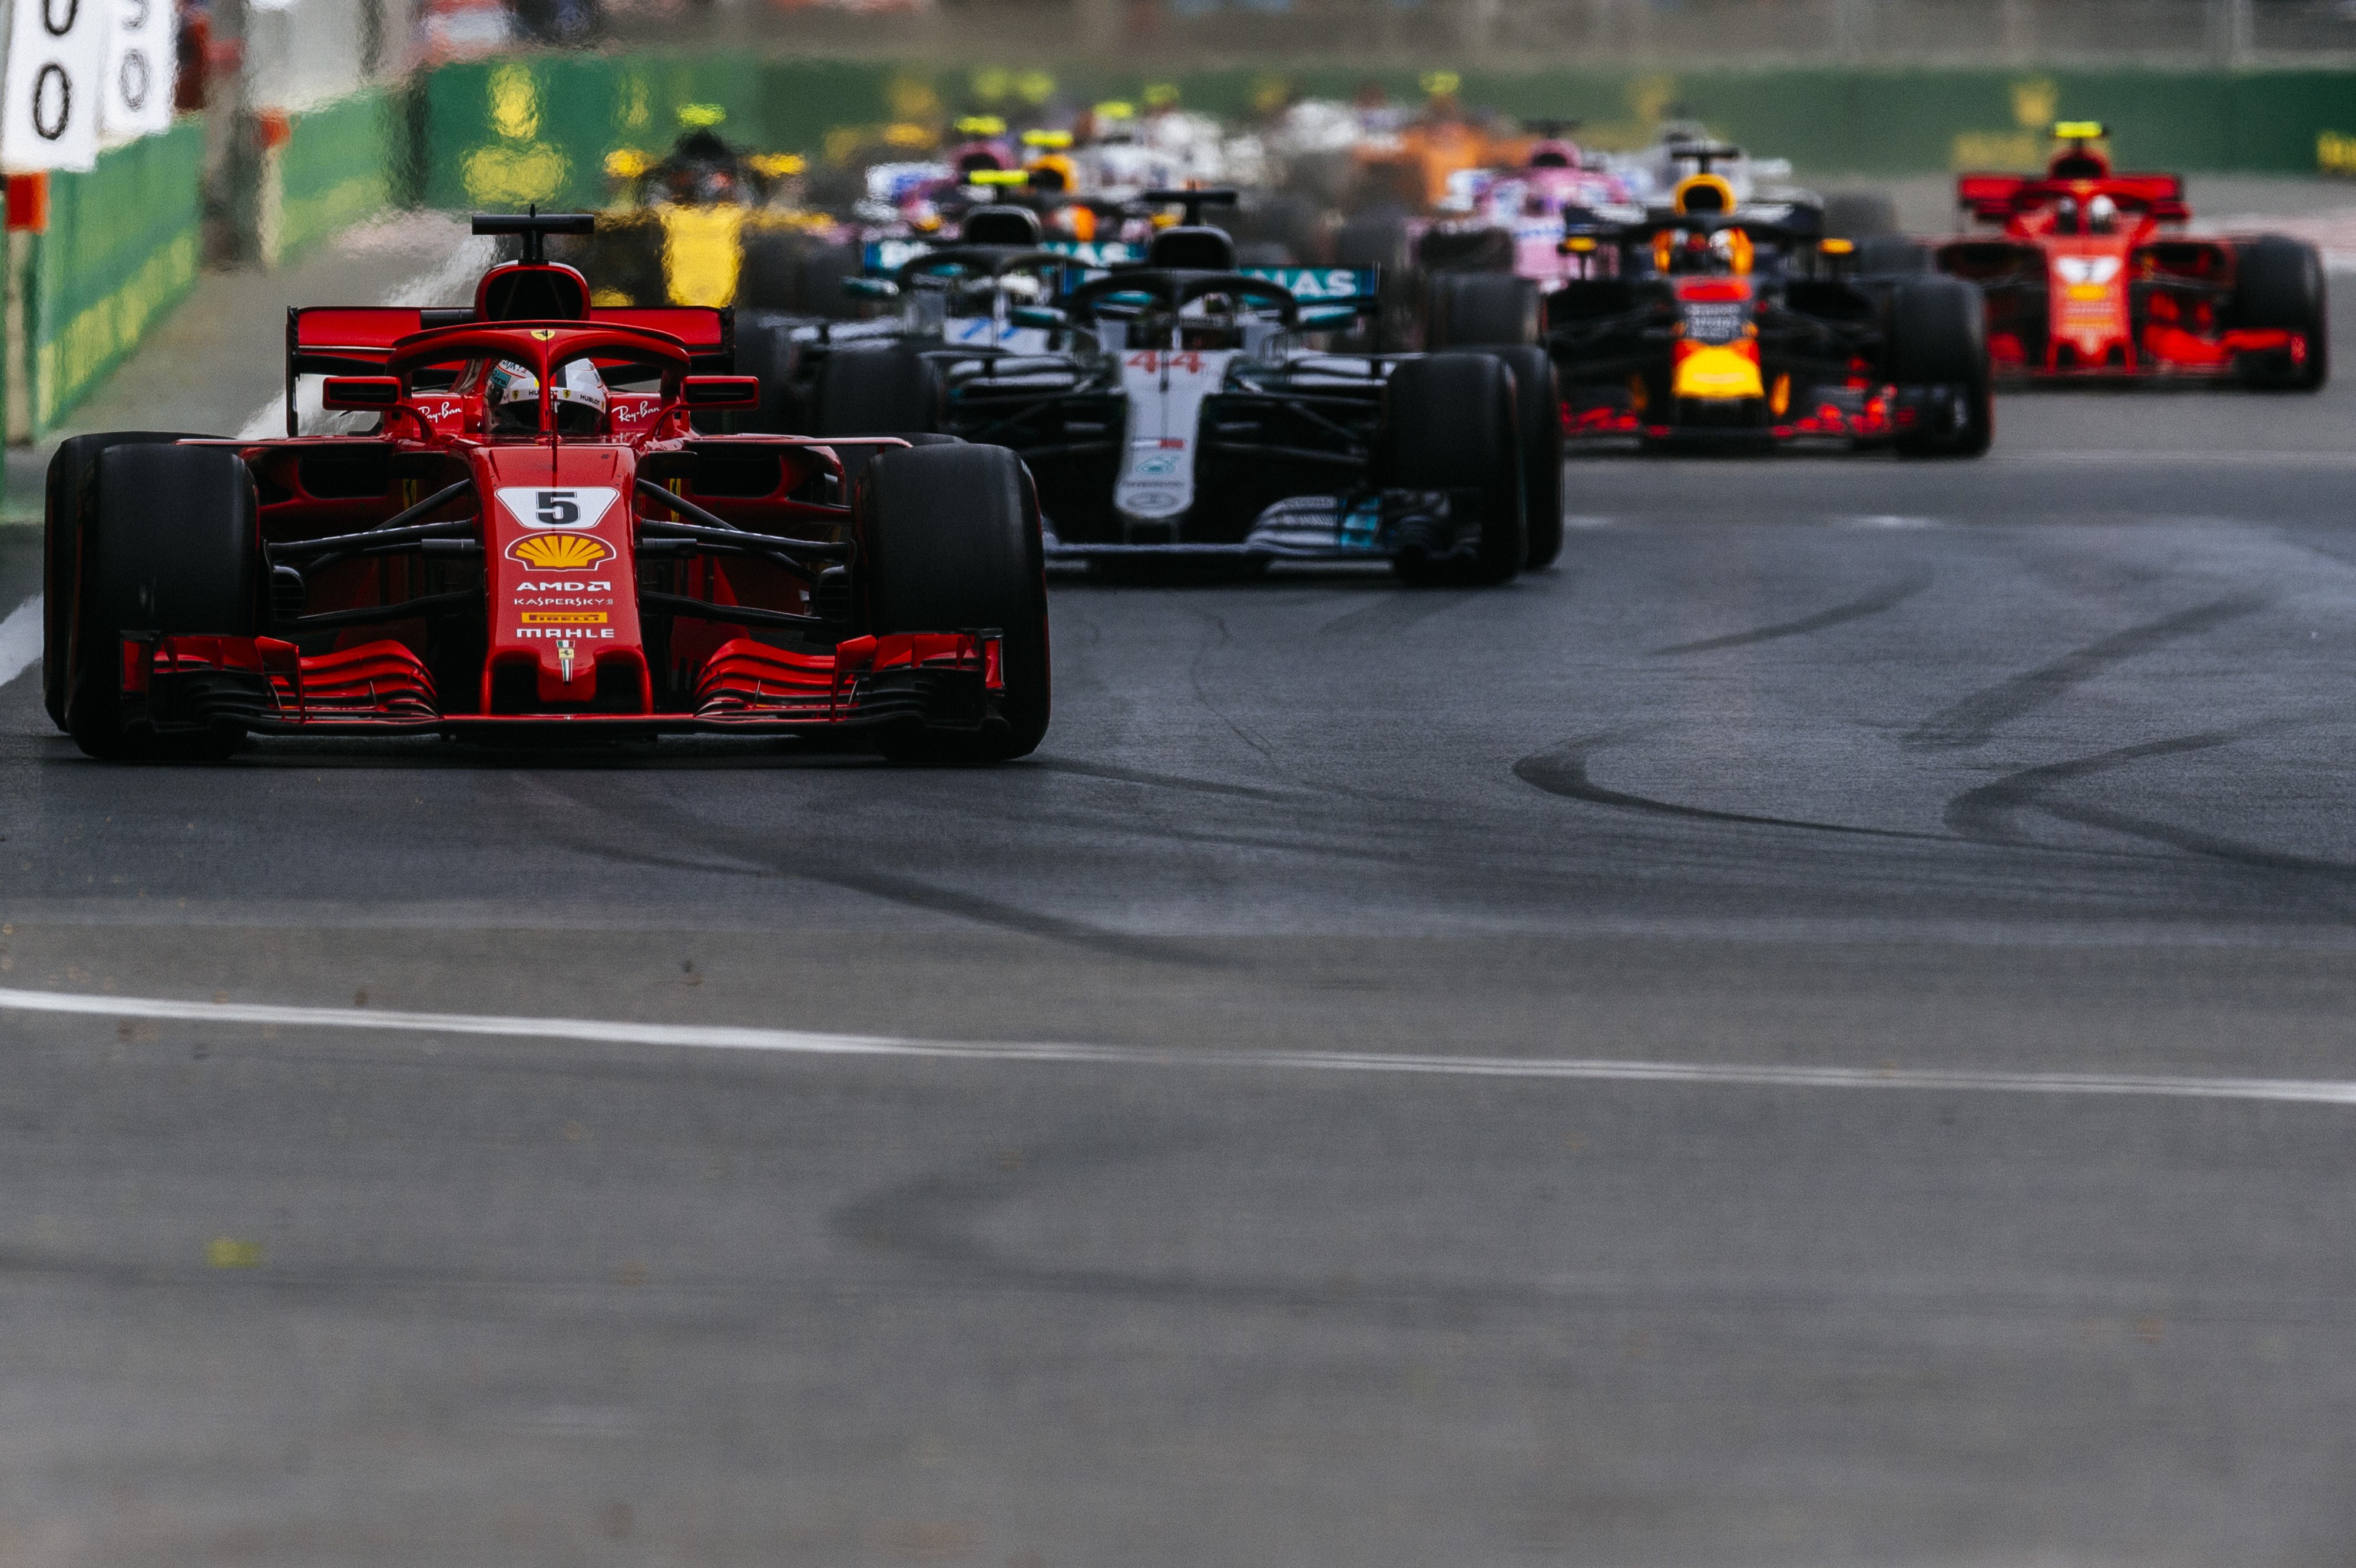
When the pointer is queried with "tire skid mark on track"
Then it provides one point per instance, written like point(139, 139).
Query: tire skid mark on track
point(937, 1221)
point(1562, 770)
point(1880, 601)
point(1358, 845)
point(1222, 636)
point(640, 820)
point(1984, 814)
point(1976, 717)
point(1161, 780)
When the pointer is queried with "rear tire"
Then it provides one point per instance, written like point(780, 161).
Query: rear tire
point(73, 472)
point(1480, 310)
point(766, 349)
point(1449, 425)
point(1859, 214)
point(1379, 240)
point(1938, 337)
point(1538, 421)
point(1891, 255)
point(878, 391)
point(950, 540)
point(2278, 283)
point(823, 273)
point(172, 542)
point(770, 275)
point(888, 391)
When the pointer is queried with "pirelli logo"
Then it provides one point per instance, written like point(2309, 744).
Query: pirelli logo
point(563, 618)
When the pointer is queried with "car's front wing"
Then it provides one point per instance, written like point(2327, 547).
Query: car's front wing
point(184, 683)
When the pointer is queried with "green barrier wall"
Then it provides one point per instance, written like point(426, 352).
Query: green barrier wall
point(336, 169)
point(508, 133)
point(540, 129)
point(122, 250)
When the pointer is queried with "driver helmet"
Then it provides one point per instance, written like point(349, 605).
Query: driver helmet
point(2102, 214)
point(2065, 215)
point(512, 391)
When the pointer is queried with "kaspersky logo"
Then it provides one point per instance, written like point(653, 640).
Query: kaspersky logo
point(561, 551)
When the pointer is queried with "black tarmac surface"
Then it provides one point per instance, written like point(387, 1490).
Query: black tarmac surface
point(2033, 765)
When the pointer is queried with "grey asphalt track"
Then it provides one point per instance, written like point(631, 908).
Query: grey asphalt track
point(2035, 764)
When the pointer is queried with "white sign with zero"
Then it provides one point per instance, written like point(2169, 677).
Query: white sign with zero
point(135, 99)
point(48, 116)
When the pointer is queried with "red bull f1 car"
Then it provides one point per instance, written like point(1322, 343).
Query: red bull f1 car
point(2092, 275)
point(1714, 322)
point(535, 543)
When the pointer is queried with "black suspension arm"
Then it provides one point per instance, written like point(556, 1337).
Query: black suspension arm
point(404, 610)
point(393, 524)
point(742, 615)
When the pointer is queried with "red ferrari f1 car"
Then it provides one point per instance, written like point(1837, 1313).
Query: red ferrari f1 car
point(2092, 276)
point(536, 540)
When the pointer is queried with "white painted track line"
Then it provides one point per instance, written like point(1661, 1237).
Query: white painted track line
point(20, 640)
point(2300, 1092)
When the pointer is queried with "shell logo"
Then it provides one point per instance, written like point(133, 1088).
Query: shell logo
point(561, 551)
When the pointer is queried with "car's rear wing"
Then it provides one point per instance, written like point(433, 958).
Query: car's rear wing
point(358, 340)
point(1993, 198)
point(1325, 285)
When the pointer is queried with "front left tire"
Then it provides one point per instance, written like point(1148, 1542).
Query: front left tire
point(171, 542)
point(1449, 425)
point(1938, 337)
point(950, 540)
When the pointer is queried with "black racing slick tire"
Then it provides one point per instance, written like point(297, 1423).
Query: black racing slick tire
point(950, 540)
point(171, 542)
point(1480, 310)
point(73, 473)
point(1891, 255)
point(1449, 425)
point(766, 349)
point(1538, 421)
point(1859, 214)
point(878, 391)
point(2278, 284)
point(856, 459)
point(824, 271)
point(1938, 338)
point(769, 276)
point(1380, 239)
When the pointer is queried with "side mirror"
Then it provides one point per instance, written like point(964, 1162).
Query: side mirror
point(355, 394)
point(1045, 316)
point(721, 391)
point(870, 288)
point(1328, 316)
